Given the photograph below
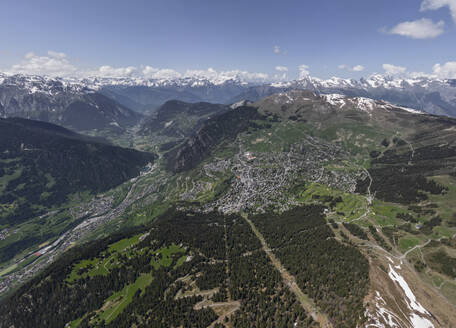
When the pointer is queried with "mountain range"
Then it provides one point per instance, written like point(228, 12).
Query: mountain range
point(73, 105)
point(109, 102)
point(429, 94)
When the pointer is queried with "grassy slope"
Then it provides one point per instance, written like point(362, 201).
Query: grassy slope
point(103, 264)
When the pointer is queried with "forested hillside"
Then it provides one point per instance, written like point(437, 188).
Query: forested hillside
point(185, 270)
point(42, 164)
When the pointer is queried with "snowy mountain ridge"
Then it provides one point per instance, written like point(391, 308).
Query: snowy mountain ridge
point(426, 93)
point(373, 81)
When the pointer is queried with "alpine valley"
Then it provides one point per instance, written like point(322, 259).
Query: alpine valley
point(192, 202)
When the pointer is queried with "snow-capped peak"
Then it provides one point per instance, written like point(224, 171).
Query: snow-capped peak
point(197, 81)
point(36, 83)
point(43, 84)
point(362, 103)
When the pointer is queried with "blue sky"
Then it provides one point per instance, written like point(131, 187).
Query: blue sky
point(349, 38)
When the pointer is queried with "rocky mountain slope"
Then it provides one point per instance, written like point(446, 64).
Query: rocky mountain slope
point(148, 96)
point(179, 119)
point(58, 101)
point(221, 128)
point(427, 94)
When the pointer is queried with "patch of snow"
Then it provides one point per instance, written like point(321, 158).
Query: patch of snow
point(34, 89)
point(239, 104)
point(420, 322)
point(410, 110)
point(283, 98)
point(281, 84)
point(382, 318)
point(289, 98)
point(365, 104)
point(335, 99)
point(168, 123)
point(141, 238)
point(417, 320)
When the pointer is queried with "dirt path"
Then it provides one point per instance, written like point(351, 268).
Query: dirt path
point(119, 304)
point(228, 308)
point(413, 152)
point(403, 256)
point(290, 281)
point(369, 199)
point(227, 268)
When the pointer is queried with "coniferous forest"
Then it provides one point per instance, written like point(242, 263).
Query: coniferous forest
point(185, 267)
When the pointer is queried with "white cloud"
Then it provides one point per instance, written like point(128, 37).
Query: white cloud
point(303, 71)
point(437, 4)
point(281, 77)
point(160, 73)
point(423, 28)
point(281, 68)
point(279, 51)
point(58, 64)
point(445, 71)
point(54, 64)
point(55, 54)
point(250, 76)
point(393, 70)
point(220, 76)
point(415, 75)
point(210, 73)
point(358, 68)
point(109, 71)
